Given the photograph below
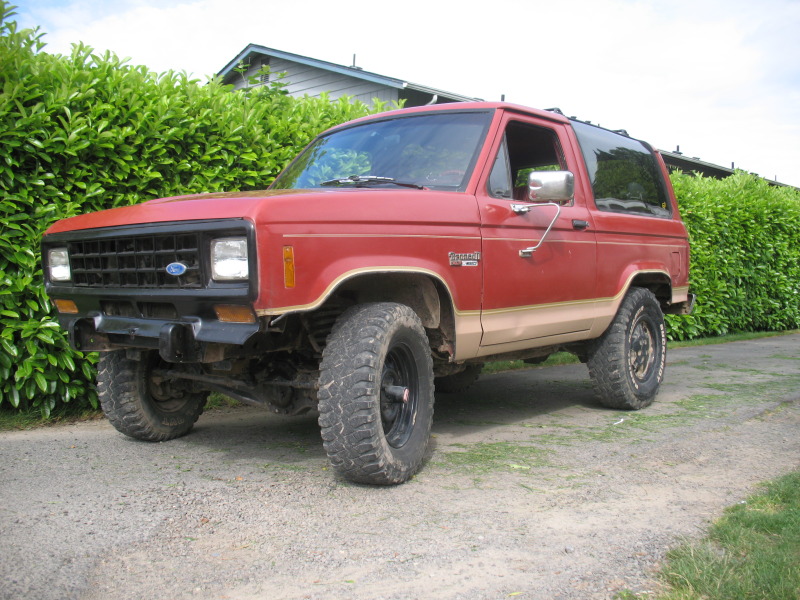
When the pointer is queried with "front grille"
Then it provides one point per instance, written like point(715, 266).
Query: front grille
point(137, 261)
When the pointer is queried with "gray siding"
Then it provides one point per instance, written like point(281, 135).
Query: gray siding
point(384, 95)
point(302, 79)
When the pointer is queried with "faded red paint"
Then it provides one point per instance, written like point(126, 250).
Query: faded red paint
point(341, 233)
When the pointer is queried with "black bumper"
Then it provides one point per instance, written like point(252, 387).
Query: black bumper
point(184, 340)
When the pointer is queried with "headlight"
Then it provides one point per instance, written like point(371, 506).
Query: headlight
point(229, 259)
point(58, 262)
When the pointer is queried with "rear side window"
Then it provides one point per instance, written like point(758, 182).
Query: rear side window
point(624, 173)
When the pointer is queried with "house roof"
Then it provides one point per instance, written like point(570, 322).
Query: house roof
point(252, 50)
point(674, 160)
point(677, 160)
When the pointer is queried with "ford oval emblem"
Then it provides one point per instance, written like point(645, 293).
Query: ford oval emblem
point(176, 269)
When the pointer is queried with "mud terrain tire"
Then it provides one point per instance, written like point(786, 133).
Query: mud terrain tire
point(376, 394)
point(139, 408)
point(627, 362)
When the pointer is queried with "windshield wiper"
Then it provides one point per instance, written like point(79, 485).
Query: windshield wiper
point(367, 180)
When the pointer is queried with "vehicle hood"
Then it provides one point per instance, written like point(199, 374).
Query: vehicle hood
point(261, 206)
point(208, 206)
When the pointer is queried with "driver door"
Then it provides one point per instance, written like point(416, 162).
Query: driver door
point(548, 296)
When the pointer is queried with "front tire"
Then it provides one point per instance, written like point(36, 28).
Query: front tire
point(627, 362)
point(138, 406)
point(376, 394)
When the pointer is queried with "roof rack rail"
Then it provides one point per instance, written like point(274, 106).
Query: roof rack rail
point(573, 118)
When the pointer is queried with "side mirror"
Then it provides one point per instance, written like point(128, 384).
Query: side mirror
point(551, 186)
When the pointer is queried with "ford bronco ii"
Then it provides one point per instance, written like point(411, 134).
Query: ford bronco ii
point(392, 257)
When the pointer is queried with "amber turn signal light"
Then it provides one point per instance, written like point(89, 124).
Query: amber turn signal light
point(233, 313)
point(288, 266)
point(66, 306)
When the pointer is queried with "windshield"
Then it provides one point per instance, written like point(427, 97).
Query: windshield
point(434, 151)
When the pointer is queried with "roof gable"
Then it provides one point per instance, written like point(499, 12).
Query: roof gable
point(254, 50)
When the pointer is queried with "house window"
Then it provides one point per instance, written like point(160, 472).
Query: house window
point(263, 72)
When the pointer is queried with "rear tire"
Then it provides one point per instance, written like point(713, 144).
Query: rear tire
point(627, 362)
point(139, 408)
point(376, 394)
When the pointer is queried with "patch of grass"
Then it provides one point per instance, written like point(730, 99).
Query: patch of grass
point(555, 359)
point(703, 367)
point(217, 400)
point(731, 337)
point(635, 426)
point(777, 384)
point(784, 357)
point(698, 403)
point(753, 551)
point(495, 456)
point(12, 419)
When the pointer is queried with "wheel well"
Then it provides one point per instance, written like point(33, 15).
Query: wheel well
point(658, 283)
point(425, 295)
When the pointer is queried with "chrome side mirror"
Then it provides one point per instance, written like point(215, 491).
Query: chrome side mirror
point(551, 186)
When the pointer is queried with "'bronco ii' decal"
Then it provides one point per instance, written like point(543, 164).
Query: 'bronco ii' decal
point(464, 259)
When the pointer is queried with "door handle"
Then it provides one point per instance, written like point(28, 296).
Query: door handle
point(580, 224)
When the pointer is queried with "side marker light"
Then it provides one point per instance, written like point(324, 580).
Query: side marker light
point(288, 267)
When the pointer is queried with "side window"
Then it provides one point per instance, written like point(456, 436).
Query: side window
point(525, 148)
point(624, 173)
point(500, 177)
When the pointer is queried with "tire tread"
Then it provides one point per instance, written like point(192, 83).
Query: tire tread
point(607, 359)
point(349, 394)
point(122, 390)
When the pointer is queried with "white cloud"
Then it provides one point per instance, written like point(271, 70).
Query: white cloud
point(719, 77)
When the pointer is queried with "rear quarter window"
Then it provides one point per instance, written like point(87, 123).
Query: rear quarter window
point(624, 173)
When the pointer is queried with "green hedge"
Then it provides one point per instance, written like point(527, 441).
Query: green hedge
point(745, 255)
point(86, 132)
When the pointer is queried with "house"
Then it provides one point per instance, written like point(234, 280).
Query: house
point(310, 76)
point(304, 75)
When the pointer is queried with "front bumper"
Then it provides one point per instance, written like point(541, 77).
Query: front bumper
point(190, 339)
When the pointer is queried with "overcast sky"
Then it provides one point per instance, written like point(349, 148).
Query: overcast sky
point(719, 78)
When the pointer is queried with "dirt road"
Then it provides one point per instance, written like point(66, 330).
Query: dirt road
point(531, 491)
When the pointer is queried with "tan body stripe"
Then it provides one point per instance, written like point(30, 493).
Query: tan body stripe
point(474, 326)
point(380, 235)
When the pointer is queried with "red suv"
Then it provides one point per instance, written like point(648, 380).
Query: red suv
point(392, 257)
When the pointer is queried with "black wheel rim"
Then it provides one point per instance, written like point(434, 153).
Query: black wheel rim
point(168, 396)
point(642, 354)
point(399, 409)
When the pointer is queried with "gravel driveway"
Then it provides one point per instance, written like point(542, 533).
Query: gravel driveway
point(531, 491)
